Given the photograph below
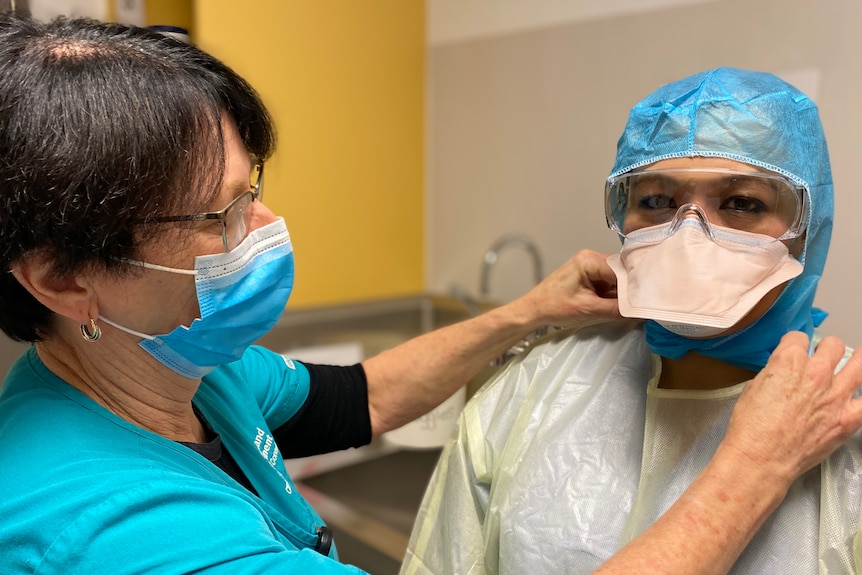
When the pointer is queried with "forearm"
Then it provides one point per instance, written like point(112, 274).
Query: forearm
point(416, 376)
point(705, 531)
point(413, 378)
point(794, 413)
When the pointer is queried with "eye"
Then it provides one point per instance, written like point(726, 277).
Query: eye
point(657, 202)
point(744, 204)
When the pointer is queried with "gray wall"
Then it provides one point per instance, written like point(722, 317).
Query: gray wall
point(9, 352)
point(522, 128)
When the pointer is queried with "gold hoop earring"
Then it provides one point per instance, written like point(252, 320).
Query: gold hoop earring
point(93, 333)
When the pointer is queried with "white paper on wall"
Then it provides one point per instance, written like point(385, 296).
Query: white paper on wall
point(49, 9)
point(131, 12)
point(455, 20)
point(330, 354)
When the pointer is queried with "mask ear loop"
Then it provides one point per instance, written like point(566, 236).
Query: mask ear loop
point(93, 333)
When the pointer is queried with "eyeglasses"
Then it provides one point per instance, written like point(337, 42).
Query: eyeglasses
point(757, 202)
point(235, 219)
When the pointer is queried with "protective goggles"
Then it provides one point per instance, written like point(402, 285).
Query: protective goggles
point(756, 202)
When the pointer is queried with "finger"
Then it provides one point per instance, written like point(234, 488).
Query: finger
point(852, 417)
point(791, 351)
point(599, 270)
point(850, 376)
point(794, 339)
point(605, 307)
point(830, 349)
point(606, 292)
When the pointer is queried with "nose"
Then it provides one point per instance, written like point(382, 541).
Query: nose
point(687, 211)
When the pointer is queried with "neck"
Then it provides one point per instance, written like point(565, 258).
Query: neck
point(700, 372)
point(124, 379)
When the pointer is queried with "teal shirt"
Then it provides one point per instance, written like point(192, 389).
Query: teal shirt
point(84, 491)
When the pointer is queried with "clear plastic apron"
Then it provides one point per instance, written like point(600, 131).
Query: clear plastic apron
point(813, 529)
point(569, 453)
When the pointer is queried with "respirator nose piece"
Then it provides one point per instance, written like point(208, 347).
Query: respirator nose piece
point(689, 212)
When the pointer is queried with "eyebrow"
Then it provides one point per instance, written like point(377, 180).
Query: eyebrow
point(721, 179)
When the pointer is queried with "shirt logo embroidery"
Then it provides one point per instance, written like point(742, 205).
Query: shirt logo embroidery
point(264, 443)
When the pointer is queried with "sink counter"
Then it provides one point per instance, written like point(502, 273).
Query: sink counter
point(377, 324)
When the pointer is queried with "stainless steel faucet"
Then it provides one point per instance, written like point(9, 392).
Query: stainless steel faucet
point(493, 254)
point(491, 258)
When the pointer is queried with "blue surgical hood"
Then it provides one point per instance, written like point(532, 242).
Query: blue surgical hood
point(758, 119)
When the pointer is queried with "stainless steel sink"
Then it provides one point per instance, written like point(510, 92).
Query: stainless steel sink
point(369, 496)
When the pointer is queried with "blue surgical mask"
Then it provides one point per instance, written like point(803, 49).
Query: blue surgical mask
point(241, 294)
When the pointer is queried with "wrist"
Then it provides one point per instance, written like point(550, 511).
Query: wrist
point(520, 315)
point(757, 486)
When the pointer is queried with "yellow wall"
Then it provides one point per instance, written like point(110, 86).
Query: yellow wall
point(170, 13)
point(343, 80)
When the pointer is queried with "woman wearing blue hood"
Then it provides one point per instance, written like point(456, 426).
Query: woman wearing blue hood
point(722, 195)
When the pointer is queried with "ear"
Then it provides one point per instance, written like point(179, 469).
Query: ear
point(69, 296)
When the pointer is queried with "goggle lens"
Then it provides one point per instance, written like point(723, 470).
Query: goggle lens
point(755, 202)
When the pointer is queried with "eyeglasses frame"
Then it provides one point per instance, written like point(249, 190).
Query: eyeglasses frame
point(255, 191)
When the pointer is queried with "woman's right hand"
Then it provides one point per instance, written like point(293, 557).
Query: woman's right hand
point(797, 410)
point(790, 417)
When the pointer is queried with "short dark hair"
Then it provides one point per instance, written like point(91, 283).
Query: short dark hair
point(103, 127)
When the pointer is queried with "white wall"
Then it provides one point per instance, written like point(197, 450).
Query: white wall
point(523, 121)
point(456, 21)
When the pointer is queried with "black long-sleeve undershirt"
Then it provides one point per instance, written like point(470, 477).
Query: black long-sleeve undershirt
point(333, 417)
